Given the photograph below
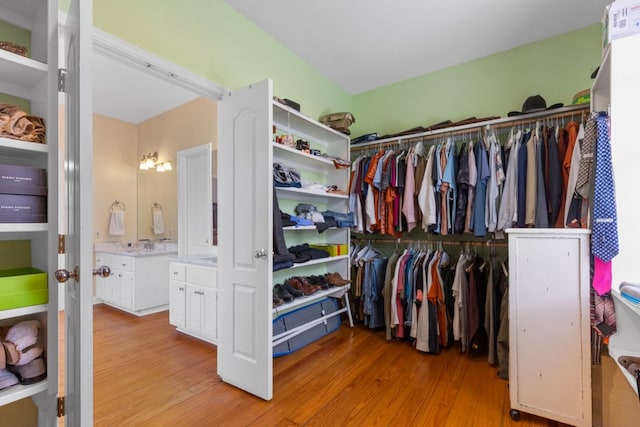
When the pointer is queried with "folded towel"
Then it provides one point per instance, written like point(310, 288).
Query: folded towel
point(116, 223)
point(157, 220)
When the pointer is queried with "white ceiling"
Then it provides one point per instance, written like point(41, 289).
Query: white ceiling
point(132, 94)
point(365, 44)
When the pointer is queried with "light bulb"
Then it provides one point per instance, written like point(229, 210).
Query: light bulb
point(167, 166)
point(160, 168)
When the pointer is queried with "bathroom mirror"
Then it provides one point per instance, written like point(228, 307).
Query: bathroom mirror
point(157, 204)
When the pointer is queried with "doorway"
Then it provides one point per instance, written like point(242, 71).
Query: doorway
point(132, 88)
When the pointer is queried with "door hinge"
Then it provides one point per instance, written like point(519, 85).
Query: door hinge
point(62, 74)
point(61, 406)
point(61, 245)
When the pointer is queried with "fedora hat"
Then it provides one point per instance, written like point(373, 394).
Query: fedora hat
point(534, 104)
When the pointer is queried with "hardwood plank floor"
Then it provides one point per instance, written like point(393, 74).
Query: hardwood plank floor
point(146, 373)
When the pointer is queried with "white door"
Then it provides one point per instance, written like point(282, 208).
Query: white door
point(246, 240)
point(79, 248)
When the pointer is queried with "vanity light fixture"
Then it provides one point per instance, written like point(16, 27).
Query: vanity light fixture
point(150, 161)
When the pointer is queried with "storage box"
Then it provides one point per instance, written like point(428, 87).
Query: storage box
point(23, 180)
point(22, 287)
point(334, 249)
point(17, 208)
point(620, 19)
point(303, 315)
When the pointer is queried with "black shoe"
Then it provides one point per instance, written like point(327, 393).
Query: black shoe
point(318, 281)
point(293, 291)
point(282, 292)
point(277, 301)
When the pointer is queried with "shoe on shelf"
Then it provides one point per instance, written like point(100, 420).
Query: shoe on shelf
point(336, 279)
point(282, 292)
point(318, 281)
point(293, 291)
point(296, 284)
point(305, 282)
point(631, 364)
point(277, 301)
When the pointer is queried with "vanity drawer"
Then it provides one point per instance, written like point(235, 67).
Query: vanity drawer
point(200, 275)
point(177, 271)
point(123, 263)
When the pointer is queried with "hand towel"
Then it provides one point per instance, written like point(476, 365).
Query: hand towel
point(116, 223)
point(157, 220)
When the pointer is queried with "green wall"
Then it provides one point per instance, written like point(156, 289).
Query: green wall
point(555, 68)
point(212, 39)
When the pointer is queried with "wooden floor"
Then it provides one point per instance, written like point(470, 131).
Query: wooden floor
point(146, 373)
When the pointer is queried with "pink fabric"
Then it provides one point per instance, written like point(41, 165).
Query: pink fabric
point(601, 276)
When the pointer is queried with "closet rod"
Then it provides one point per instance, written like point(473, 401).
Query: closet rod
point(506, 122)
point(488, 243)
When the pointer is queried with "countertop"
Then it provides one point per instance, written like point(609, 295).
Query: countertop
point(208, 261)
point(138, 252)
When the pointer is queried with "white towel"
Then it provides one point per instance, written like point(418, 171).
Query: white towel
point(157, 220)
point(116, 223)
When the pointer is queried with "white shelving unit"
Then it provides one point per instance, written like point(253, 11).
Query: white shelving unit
point(321, 170)
point(34, 79)
point(247, 151)
point(626, 341)
point(617, 89)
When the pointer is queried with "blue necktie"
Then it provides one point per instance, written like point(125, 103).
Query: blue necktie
point(604, 233)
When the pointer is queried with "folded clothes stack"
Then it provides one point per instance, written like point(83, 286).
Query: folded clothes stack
point(21, 354)
point(630, 291)
point(16, 124)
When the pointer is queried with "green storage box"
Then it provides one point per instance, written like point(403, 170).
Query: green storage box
point(22, 287)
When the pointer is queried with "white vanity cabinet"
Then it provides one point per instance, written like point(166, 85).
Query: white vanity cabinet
point(137, 284)
point(193, 304)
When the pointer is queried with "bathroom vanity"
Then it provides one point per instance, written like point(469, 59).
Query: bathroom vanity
point(138, 283)
point(193, 285)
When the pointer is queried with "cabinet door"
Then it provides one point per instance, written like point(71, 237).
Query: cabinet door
point(177, 303)
point(195, 308)
point(126, 289)
point(209, 319)
point(113, 290)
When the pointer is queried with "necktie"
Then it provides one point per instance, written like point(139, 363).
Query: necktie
point(604, 233)
point(586, 161)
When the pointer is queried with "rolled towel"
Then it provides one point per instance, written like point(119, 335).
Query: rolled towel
point(7, 379)
point(23, 334)
point(116, 223)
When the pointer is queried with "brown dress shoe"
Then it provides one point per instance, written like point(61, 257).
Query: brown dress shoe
point(296, 284)
point(336, 279)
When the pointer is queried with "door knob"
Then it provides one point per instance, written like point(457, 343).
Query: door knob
point(102, 271)
point(262, 253)
point(63, 275)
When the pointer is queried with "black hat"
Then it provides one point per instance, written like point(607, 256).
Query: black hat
point(534, 104)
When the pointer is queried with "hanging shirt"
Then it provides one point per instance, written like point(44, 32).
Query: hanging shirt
point(508, 212)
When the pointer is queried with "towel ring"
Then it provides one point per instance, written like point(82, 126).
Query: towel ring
point(118, 205)
point(156, 205)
